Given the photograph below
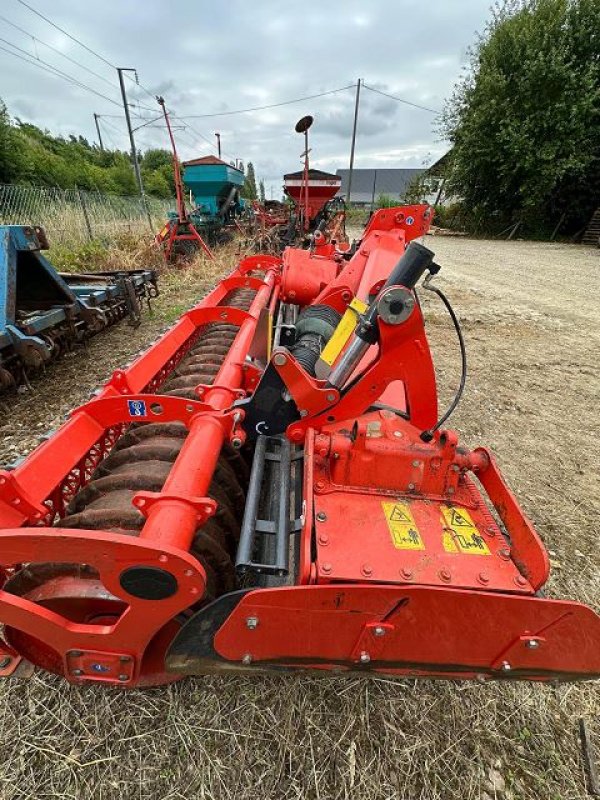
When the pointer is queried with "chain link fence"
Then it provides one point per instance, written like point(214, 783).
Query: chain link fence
point(73, 216)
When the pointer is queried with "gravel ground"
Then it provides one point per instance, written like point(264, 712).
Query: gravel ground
point(531, 316)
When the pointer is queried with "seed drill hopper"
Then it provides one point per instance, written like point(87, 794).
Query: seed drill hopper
point(271, 486)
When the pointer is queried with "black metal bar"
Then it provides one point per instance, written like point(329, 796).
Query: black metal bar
point(282, 543)
point(245, 546)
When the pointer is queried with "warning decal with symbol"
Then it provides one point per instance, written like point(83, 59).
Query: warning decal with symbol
point(403, 530)
point(461, 535)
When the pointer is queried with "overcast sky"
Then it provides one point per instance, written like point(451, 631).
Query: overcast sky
point(209, 57)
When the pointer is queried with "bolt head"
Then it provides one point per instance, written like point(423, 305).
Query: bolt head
point(398, 434)
point(4, 662)
point(252, 623)
point(364, 657)
point(445, 574)
point(379, 631)
point(506, 667)
point(247, 659)
point(411, 487)
point(236, 442)
point(77, 672)
point(123, 677)
point(75, 653)
point(330, 397)
point(326, 567)
point(124, 659)
point(279, 359)
point(367, 569)
point(322, 516)
point(532, 644)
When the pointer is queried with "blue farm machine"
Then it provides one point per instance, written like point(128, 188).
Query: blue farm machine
point(214, 187)
point(44, 312)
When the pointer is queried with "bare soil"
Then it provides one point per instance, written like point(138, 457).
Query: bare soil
point(530, 314)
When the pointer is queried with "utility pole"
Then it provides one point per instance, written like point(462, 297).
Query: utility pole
point(353, 140)
point(136, 166)
point(218, 135)
point(96, 118)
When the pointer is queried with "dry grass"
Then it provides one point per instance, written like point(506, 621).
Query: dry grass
point(531, 398)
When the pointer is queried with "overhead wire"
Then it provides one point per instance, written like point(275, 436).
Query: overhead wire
point(56, 50)
point(270, 105)
point(400, 99)
point(66, 33)
point(46, 67)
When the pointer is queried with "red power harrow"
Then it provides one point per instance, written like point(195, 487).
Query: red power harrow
point(269, 487)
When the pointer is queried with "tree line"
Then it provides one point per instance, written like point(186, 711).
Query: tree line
point(35, 157)
point(524, 121)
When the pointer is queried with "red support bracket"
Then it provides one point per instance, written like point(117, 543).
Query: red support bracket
point(310, 395)
point(371, 642)
point(109, 411)
point(205, 507)
point(16, 502)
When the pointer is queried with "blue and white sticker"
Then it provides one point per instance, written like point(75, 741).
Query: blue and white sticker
point(137, 408)
point(410, 220)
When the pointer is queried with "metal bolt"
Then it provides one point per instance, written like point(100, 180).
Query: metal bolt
point(532, 644)
point(398, 434)
point(330, 397)
point(367, 569)
point(379, 631)
point(247, 659)
point(483, 577)
point(75, 653)
point(323, 539)
point(364, 657)
point(279, 359)
point(326, 567)
point(520, 580)
point(123, 677)
point(406, 573)
point(411, 487)
point(236, 442)
point(303, 412)
point(445, 574)
point(77, 672)
point(506, 667)
point(450, 490)
point(504, 553)
point(124, 659)
point(416, 463)
point(322, 516)
point(252, 623)
point(4, 662)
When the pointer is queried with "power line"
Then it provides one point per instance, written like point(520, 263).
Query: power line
point(46, 67)
point(271, 105)
point(56, 50)
point(400, 99)
point(62, 30)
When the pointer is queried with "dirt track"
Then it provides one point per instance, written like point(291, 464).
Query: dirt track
point(531, 316)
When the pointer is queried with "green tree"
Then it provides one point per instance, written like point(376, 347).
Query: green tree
point(525, 120)
point(249, 187)
point(261, 191)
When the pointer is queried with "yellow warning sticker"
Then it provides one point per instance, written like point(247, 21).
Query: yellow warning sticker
point(403, 529)
point(461, 534)
point(164, 232)
point(344, 330)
